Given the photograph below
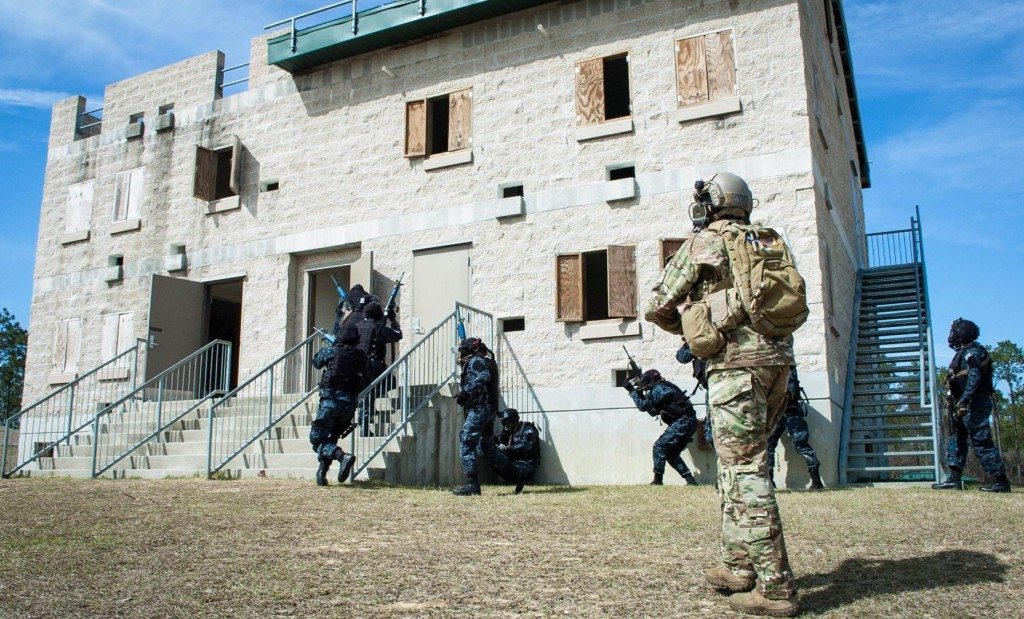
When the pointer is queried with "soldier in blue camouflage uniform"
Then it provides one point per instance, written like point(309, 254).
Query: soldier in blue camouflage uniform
point(747, 381)
point(479, 396)
point(343, 378)
point(658, 397)
point(515, 453)
point(794, 421)
point(971, 388)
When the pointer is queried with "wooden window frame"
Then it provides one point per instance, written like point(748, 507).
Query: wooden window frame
point(664, 249)
point(205, 171)
point(588, 111)
point(703, 93)
point(622, 299)
point(416, 141)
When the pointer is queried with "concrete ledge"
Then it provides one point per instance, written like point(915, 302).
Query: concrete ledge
point(113, 274)
point(164, 122)
point(223, 205)
point(61, 378)
point(611, 127)
point(622, 189)
point(174, 263)
point(445, 160)
point(74, 237)
point(708, 110)
point(125, 226)
point(509, 207)
point(112, 374)
point(134, 130)
point(610, 328)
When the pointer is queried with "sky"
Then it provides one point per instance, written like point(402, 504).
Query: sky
point(940, 84)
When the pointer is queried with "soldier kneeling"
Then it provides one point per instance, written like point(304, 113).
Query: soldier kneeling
point(515, 453)
point(343, 378)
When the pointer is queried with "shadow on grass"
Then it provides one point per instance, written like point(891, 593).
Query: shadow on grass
point(857, 579)
point(553, 489)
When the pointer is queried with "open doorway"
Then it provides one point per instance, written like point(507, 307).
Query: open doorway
point(323, 296)
point(224, 319)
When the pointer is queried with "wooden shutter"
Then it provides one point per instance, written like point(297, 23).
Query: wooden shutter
point(205, 185)
point(79, 207)
point(691, 72)
point(721, 65)
point(236, 166)
point(108, 345)
point(569, 288)
point(669, 247)
point(60, 346)
point(74, 344)
point(122, 183)
point(416, 128)
point(590, 92)
point(460, 121)
point(125, 336)
point(621, 281)
point(136, 191)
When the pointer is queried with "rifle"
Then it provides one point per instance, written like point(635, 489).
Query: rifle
point(634, 370)
point(390, 307)
point(460, 327)
point(330, 339)
point(341, 293)
point(700, 372)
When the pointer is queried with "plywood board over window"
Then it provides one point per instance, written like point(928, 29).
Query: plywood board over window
point(621, 281)
point(569, 288)
point(590, 92)
point(416, 128)
point(67, 345)
point(128, 192)
point(118, 336)
point(706, 68)
point(460, 120)
point(218, 172)
point(78, 215)
point(669, 247)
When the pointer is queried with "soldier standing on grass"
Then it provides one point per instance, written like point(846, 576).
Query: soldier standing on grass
point(971, 389)
point(478, 395)
point(658, 397)
point(713, 277)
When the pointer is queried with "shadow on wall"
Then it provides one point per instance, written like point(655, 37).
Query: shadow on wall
point(857, 579)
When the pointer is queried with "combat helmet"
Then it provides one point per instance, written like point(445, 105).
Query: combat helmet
point(723, 193)
point(962, 332)
point(509, 417)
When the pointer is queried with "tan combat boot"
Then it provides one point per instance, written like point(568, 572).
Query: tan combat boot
point(722, 578)
point(754, 603)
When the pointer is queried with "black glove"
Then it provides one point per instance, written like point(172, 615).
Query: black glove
point(683, 355)
point(629, 386)
point(462, 398)
point(392, 313)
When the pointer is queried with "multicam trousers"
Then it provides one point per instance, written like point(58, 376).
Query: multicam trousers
point(745, 404)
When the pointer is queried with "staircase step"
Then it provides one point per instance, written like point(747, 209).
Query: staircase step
point(911, 317)
point(877, 343)
point(880, 356)
point(891, 439)
point(873, 307)
point(874, 352)
point(885, 381)
point(887, 427)
point(889, 469)
point(890, 454)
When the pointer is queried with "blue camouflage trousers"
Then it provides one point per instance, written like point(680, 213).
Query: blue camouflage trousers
point(510, 470)
point(479, 423)
point(671, 443)
point(974, 430)
point(796, 425)
point(333, 417)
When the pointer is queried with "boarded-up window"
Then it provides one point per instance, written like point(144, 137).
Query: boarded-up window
point(596, 285)
point(602, 89)
point(439, 124)
point(669, 247)
point(118, 336)
point(129, 190)
point(218, 172)
point(78, 215)
point(67, 345)
point(705, 68)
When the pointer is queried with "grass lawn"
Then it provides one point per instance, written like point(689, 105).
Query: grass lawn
point(266, 548)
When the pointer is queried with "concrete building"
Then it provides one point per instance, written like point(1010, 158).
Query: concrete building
point(532, 159)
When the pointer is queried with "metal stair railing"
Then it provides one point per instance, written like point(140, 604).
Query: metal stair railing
point(259, 404)
point(933, 388)
point(851, 372)
point(408, 385)
point(516, 390)
point(58, 416)
point(157, 404)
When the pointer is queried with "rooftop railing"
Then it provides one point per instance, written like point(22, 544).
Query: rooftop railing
point(354, 8)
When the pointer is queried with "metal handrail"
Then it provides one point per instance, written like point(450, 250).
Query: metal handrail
point(185, 377)
point(71, 395)
point(225, 71)
point(263, 384)
point(354, 16)
point(891, 248)
point(932, 373)
point(851, 372)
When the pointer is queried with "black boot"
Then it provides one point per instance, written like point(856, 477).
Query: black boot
point(816, 480)
point(952, 482)
point(472, 488)
point(658, 480)
point(520, 482)
point(690, 481)
point(1001, 484)
point(321, 472)
point(346, 461)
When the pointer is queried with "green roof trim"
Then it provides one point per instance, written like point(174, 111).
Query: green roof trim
point(379, 27)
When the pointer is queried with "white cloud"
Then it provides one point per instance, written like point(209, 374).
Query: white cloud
point(25, 97)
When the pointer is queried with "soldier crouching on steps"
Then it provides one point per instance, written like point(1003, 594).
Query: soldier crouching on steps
point(970, 390)
point(658, 397)
point(342, 380)
point(479, 396)
point(515, 453)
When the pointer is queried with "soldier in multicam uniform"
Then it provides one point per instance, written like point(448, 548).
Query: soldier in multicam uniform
point(747, 382)
point(794, 421)
point(970, 389)
point(659, 398)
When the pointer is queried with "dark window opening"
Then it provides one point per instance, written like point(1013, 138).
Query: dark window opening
point(616, 87)
point(437, 125)
point(166, 108)
point(595, 285)
point(512, 191)
point(224, 321)
point(271, 186)
point(223, 186)
point(619, 173)
point(509, 325)
point(44, 450)
point(621, 376)
point(115, 260)
point(134, 118)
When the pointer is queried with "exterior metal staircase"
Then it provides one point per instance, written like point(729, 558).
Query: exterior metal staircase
point(890, 422)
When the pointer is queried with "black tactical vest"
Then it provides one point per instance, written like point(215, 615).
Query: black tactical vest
point(958, 369)
point(493, 387)
point(345, 371)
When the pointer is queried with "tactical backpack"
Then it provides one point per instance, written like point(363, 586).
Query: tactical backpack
point(771, 290)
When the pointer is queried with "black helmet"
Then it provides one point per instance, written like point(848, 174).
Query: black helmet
point(471, 346)
point(509, 417)
point(962, 332)
point(650, 377)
